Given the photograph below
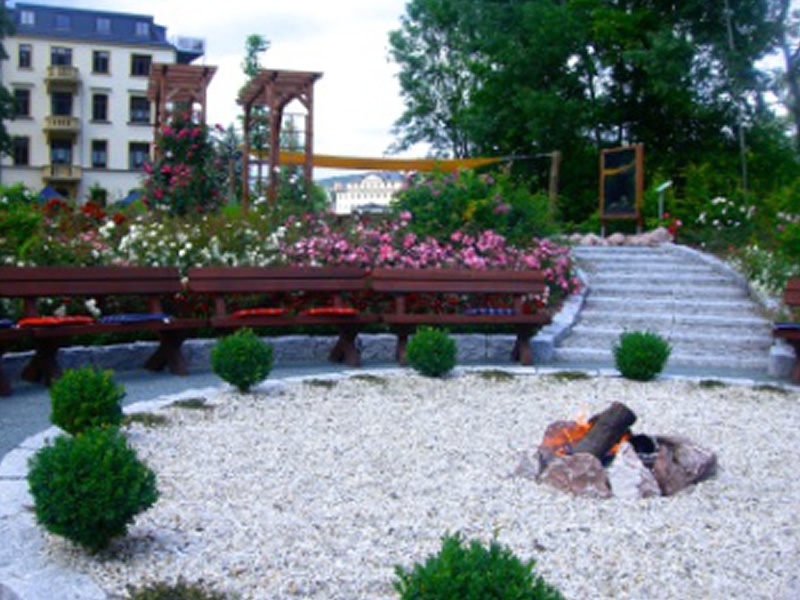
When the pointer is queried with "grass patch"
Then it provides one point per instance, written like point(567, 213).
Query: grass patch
point(371, 379)
point(326, 384)
point(711, 384)
point(570, 376)
point(769, 387)
point(496, 375)
point(146, 419)
point(192, 404)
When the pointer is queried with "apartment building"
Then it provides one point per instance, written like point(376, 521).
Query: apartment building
point(372, 192)
point(80, 80)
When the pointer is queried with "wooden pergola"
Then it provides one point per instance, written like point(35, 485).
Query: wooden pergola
point(275, 90)
point(173, 85)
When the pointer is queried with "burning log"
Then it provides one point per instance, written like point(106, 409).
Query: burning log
point(609, 428)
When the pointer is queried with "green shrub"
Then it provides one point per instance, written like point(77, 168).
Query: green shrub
point(242, 359)
point(472, 571)
point(177, 591)
point(431, 352)
point(641, 355)
point(89, 488)
point(84, 398)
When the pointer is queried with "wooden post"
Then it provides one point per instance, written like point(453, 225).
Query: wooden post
point(555, 170)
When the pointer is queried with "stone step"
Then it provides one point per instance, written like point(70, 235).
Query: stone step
point(697, 306)
point(712, 324)
point(688, 339)
point(604, 356)
point(679, 290)
point(658, 277)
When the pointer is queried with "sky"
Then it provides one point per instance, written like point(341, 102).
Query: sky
point(357, 99)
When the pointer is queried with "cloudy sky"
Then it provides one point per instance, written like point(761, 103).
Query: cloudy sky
point(356, 101)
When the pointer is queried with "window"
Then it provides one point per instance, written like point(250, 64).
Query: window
point(99, 107)
point(61, 104)
point(142, 29)
point(21, 151)
point(99, 154)
point(138, 153)
point(22, 103)
point(25, 57)
point(61, 56)
point(62, 22)
point(27, 17)
point(140, 110)
point(100, 61)
point(140, 65)
point(61, 152)
point(102, 25)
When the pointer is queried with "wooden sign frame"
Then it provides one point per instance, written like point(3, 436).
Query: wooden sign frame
point(622, 184)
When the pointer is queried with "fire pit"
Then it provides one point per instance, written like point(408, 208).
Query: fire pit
point(602, 457)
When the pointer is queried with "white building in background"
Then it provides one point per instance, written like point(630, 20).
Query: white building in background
point(80, 79)
point(365, 193)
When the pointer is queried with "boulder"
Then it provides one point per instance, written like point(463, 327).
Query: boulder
point(580, 474)
point(629, 477)
point(681, 463)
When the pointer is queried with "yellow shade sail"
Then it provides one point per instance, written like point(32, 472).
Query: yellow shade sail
point(388, 164)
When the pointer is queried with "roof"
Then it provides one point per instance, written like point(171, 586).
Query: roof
point(83, 25)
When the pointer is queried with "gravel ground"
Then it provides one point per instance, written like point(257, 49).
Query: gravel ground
point(317, 489)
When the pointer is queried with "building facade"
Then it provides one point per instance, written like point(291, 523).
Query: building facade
point(80, 80)
point(366, 193)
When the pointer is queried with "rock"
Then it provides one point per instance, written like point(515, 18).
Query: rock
point(529, 465)
point(681, 463)
point(660, 235)
point(628, 476)
point(616, 239)
point(581, 474)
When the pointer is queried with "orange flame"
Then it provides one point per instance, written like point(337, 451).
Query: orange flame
point(561, 437)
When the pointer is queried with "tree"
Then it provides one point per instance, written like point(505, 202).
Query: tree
point(7, 104)
point(786, 22)
point(255, 45)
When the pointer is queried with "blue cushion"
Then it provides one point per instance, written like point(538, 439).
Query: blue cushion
point(788, 326)
point(131, 318)
point(6, 323)
point(488, 310)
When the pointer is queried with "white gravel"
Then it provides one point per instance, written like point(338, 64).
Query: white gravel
point(305, 490)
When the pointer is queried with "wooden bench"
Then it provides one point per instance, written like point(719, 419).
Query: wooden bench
point(791, 331)
point(289, 297)
point(100, 283)
point(495, 297)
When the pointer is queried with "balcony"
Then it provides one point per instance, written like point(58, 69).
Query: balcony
point(60, 173)
point(62, 126)
point(62, 77)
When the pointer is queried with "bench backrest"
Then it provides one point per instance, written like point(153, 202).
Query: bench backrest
point(233, 280)
point(37, 282)
point(453, 280)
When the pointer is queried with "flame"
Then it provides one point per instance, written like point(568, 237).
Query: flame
point(561, 437)
point(625, 437)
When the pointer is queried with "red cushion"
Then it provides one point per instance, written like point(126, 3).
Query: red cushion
point(258, 312)
point(52, 321)
point(331, 310)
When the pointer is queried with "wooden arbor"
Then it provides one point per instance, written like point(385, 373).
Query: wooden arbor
point(275, 90)
point(174, 85)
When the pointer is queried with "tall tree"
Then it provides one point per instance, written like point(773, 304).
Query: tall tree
point(7, 104)
point(786, 19)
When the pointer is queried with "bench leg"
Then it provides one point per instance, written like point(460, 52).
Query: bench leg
point(522, 351)
point(43, 366)
point(402, 344)
point(168, 354)
point(345, 350)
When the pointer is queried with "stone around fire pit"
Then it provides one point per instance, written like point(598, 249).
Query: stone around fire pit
point(681, 463)
point(629, 477)
point(580, 474)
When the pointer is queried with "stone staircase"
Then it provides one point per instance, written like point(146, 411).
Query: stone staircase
point(693, 300)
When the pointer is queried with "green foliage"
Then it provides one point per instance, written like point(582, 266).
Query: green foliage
point(185, 177)
point(181, 590)
point(84, 398)
point(442, 204)
point(472, 571)
point(431, 352)
point(242, 359)
point(89, 488)
point(641, 355)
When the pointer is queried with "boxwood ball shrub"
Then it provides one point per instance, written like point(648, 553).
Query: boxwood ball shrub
point(84, 398)
point(431, 352)
point(462, 570)
point(181, 590)
point(242, 359)
point(89, 488)
point(641, 355)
